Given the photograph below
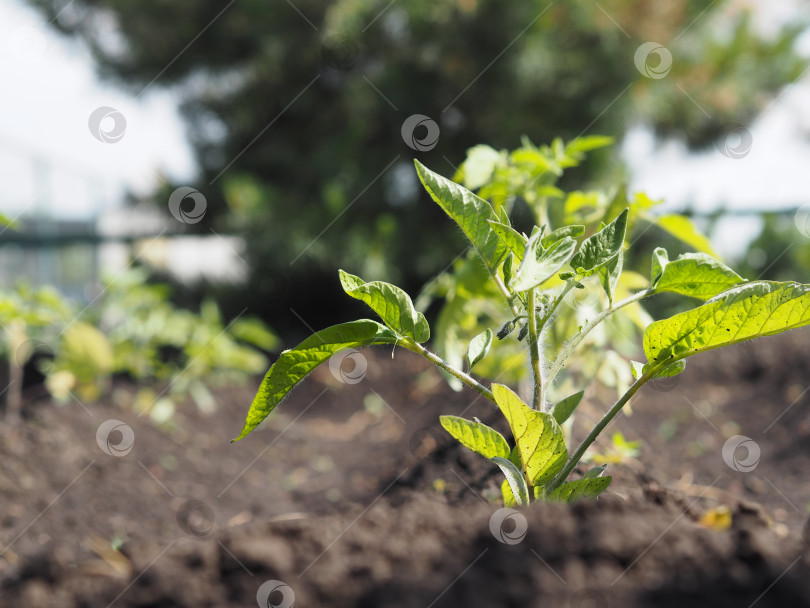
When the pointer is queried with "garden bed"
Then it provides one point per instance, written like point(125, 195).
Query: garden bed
point(369, 505)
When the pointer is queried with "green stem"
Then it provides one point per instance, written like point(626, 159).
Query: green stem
point(457, 373)
point(569, 348)
point(510, 297)
point(611, 413)
point(534, 350)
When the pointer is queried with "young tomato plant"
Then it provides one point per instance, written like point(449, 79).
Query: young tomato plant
point(533, 274)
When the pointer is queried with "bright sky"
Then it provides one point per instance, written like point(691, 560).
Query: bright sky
point(48, 153)
point(48, 156)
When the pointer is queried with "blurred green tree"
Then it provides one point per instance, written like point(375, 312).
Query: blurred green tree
point(296, 108)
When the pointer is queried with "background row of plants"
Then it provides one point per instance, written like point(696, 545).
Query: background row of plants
point(132, 331)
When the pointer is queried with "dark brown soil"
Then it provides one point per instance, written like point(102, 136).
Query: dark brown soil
point(372, 506)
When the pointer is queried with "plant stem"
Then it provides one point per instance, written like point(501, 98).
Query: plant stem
point(439, 362)
point(510, 297)
point(569, 348)
point(611, 413)
point(534, 350)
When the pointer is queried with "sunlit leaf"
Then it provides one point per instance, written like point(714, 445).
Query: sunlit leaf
point(692, 274)
point(390, 302)
point(539, 438)
point(562, 411)
point(599, 249)
point(479, 347)
point(476, 436)
point(746, 311)
point(511, 238)
point(469, 211)
point(572, 491)
point(541, 264)
point(293, 365)
point(682, 228)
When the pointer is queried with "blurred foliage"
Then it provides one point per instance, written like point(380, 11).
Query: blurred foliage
point(781, 252)
point(137, 332)
point(525, 184)
point(295, 108)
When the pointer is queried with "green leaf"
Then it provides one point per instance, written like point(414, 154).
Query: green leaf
point(600, 248)
point(609, 275)
point(293, 365)
point(390, 302)
point(479, 347)
point(561, 233)
point(682, 228)
point(476, 436)
point(480, 164)
point(511, 238)
point(676, 368)
point(749, 310)
point(517, 483)
point(539, 438)
point(660, 258)
point(255, 332)
point(563, 410)
point(692, 274)
point(572, 491)
point(595, 472)
point(469, 211)
point(508, 495)
point(540, 264)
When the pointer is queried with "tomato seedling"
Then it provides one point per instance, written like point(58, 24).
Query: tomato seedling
point(533, 274)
